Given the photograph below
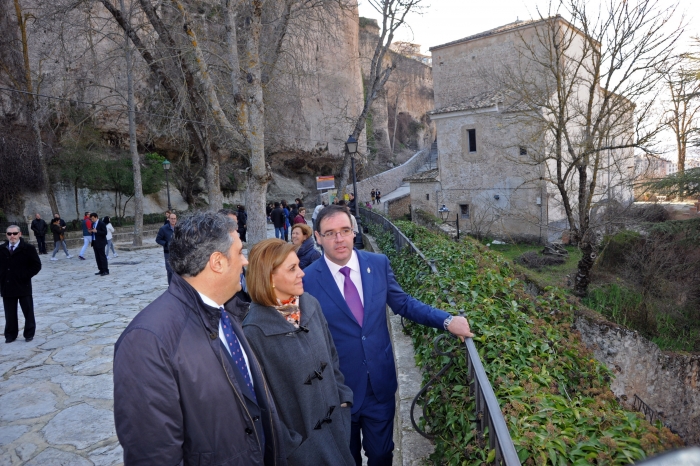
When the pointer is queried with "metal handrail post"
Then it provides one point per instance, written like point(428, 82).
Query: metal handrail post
point(497, 428)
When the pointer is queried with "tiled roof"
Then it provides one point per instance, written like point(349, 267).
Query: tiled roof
point(483, 100)
point(491, 32)
point(423, 177)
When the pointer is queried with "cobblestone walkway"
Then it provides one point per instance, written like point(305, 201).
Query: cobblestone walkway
point(56, 392)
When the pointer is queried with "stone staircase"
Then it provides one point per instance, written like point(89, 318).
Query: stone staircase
point(404, 189)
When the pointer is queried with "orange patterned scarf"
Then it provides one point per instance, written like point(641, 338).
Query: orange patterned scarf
point(290, 310)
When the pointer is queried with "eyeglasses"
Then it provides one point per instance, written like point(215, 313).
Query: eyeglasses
point(12, 233)
point(332, 234)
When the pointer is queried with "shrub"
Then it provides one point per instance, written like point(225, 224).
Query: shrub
point(555, 397)
point(534, 260)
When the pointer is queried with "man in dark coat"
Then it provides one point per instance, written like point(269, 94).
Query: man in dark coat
point(39, 227)
point(19, 262)
point(278, 220)
point(165, 234)
point(188, 389)
point(99, 243)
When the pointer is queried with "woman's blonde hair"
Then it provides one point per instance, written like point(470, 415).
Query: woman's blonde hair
point(264, 258)
point(305, 229)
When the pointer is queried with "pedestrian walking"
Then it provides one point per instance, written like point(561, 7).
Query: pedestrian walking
point(378, 195)
point(188, 389)
point(19, 262)
point(165, 235)
point(87, 235)
point(110, 233)
point(99, 244)
point(287, 222)
point(58, 228)
point(62, 241)
point(373, 195)
point(277, 217)
point(39, 227)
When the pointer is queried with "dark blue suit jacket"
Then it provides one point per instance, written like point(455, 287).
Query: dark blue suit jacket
point(367, 349)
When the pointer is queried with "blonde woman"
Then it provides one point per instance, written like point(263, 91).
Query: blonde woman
point(289, 335)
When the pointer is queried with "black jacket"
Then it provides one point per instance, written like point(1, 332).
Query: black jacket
point(278, 218)
point(17, 269)
point(39, 227)
point(100, 240)
point(165, 234)
point(178, 397)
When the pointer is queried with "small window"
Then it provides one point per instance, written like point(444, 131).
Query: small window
point(427, 197)
point(471, 133)
point(523, 150)
point(464, 210)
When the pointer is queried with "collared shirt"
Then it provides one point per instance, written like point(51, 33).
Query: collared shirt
point(355, 274)
point(209, 302)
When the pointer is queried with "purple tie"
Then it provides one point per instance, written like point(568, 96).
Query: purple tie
point(352, 297)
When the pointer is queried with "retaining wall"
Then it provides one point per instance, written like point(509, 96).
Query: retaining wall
point(667, 382)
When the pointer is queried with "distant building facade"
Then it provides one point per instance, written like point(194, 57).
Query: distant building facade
point(487, 173)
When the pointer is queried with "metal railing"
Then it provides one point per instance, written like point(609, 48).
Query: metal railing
point(488, 411)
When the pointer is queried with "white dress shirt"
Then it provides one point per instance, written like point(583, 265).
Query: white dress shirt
point(355, 274)
point(222, 337)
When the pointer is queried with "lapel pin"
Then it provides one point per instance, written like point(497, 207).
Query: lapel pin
point(368, 271)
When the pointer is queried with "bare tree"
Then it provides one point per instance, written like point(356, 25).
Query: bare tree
point(133, 148)
point(394, 14)
point(683, 107)
point(586, 92)
point(25, 82)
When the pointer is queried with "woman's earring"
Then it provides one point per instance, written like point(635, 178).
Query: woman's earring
point(273, 285)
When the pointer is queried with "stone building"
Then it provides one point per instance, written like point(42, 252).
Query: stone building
point(492, 160)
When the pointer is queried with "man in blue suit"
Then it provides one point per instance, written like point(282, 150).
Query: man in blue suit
point(354, 287)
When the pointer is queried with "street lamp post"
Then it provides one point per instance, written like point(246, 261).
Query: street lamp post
point(445, 215)
point(166, 167)
point(351, 147)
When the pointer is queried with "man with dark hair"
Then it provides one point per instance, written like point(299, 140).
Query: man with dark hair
point(165, 234)
point(62, 226)
point(187, 387)
point(19, 262)
point(99, 243)
point(354, 287)
point(278, 219)
point(39, 227)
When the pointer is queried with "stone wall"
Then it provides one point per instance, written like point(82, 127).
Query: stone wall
point(399, 207)
point(503, 192)
point(390, 180)
point(667, 382)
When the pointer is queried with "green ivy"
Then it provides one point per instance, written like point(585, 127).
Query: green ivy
point(554, 395)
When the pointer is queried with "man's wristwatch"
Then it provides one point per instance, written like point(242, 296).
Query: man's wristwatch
point(447, 321)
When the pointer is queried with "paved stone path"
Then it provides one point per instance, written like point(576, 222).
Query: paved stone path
point(56, 392)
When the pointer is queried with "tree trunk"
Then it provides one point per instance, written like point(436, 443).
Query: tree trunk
point(133, 148)
point(75, 195)
point(259, 175)
point(211, 173)
point(33, 108)
point(585, 265)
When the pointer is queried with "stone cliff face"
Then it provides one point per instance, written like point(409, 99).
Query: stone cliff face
point(311, 100)
point(407, 98)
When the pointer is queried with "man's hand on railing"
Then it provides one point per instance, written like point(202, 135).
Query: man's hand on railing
point(459, 326)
